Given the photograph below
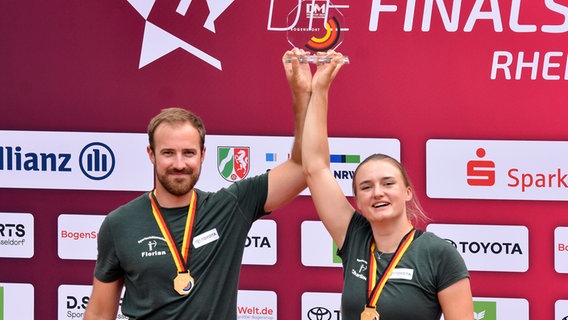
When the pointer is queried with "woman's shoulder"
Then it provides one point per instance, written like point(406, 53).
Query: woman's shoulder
point(433, 242)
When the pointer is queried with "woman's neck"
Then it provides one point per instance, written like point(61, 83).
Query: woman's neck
point(388, 236)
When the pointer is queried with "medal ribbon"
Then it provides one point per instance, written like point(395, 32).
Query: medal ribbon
point(180, 259)
point(376, 289)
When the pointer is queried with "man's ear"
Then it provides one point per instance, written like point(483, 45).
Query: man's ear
point(151, 155)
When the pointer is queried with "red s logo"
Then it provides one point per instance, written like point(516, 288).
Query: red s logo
point(480, 172)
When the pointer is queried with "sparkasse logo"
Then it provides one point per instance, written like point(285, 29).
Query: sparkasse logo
point(487, 169)
point(480, 172)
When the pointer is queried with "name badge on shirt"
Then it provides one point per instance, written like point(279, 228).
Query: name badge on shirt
point(205, 238)
point(402, 273)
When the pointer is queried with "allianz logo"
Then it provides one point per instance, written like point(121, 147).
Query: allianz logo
point(96, 160)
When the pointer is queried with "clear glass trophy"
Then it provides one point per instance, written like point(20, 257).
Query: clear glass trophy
point(315, 26)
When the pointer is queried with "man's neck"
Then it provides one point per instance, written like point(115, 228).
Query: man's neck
point(168, 200)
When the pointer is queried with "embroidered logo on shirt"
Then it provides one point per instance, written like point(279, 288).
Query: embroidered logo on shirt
point(360, 272)
point(151, 244)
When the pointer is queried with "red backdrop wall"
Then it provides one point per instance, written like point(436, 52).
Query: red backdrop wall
point(74, 66)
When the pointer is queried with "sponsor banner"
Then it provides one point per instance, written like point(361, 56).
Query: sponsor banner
point(118, 161)
point(75, 160)
point(488, 247)
point(77, 239)
point(233, 158)
point(492, 169)
point(561, 249)
point(260, 245)
point(16, 235)
point(256, 305)
point(500, 309)
point(318, 248)
point(561, 310)
point(77, 236)
point(72, 301)
point(17, 301)
point(321, 305)
point(317, 305)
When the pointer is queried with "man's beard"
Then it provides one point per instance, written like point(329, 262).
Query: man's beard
point(178, 188)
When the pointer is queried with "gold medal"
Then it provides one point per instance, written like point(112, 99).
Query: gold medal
point(183, 283)
point(369, 314)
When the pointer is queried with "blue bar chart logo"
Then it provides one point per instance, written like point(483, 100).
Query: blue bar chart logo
point(97, 161)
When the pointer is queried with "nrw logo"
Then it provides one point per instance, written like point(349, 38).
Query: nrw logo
point(344, 159)
point(97, 161)
point(157, 42)
point(481, 172)
point(233, 163)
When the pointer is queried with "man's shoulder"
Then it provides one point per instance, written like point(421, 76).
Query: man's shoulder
point(142, 201)
point(258, 181)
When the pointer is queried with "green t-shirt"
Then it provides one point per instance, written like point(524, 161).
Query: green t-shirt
point(131, 245)
point(429, 265)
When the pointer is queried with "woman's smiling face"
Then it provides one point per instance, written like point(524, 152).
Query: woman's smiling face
point(381, 192)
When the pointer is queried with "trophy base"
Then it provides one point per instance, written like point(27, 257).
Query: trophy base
point(315, 59)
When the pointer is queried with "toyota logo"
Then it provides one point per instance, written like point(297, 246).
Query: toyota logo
point(319, 313)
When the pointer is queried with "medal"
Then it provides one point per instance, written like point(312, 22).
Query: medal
point(375, 288)
point(369, 314)
point(183, 283)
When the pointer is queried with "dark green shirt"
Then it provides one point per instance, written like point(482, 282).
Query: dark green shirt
point(429, 265)
point(131, 245)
